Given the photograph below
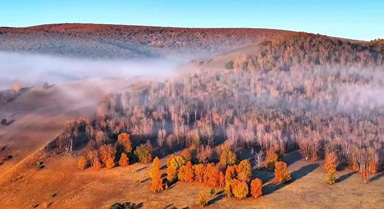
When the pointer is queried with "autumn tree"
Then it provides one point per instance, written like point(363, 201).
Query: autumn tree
point(227, 157)
point(189, 172)
point(203, 199)
point(256, 187)
point(124, 160)
point(244, 171)
point(155, 174)
point(281, 172)
point(211, 176)
point(221, 179)
point(330, 167)
point(230, 173)
point(270, 159)
point(199, 170)
point(94, 159)
point(144, 153)
point(107, 153)
point(82, 163)
point(228, 188)
point(239, 189)
point(125, 141)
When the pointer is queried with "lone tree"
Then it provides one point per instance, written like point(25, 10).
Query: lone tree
point(256, 187)
point(330, 166)
point(16, 86)
point(281, 172)
point(203, 199)
point(155, 174)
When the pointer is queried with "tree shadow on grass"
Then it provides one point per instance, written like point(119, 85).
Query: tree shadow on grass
point(292, 157)
point(377, 177)
point(344, 177)
point(216, 199)
point(296, 175)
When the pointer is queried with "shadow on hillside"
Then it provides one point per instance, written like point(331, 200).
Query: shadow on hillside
point(344, 177)
point(377, 177)
point(296, 175)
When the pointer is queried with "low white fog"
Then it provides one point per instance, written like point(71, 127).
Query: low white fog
point(34, 70)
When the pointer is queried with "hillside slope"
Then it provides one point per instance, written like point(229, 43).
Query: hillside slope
point(119, 41)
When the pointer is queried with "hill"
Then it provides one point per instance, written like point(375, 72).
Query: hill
point(119, 41)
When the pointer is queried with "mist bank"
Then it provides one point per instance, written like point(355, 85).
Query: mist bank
point(36, 69)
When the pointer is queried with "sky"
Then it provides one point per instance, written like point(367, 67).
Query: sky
point(363, 19)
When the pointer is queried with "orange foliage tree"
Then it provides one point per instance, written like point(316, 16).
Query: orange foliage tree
point(125, 141)
point(199, 170)
point(244, 171)
point(211, 176)
point(270, 159)
point(189, 173)
point(107, 153)
point(239, 189)
point(230, 173)
point(82, 163)
point(256, 187)
point(124, 160)
point(221, 179)
point(281, 172)
point(93, 157)
point(155, 174)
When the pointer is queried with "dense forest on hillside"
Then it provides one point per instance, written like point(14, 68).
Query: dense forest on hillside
point(309, 92)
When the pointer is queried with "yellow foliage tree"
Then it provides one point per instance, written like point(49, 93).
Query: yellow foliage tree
point(227, 157)
point(281, 172)
point(244, 171)
point(82, 163)
point(239, 189)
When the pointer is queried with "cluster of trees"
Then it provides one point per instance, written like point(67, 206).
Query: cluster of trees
point(112, 154)
point(235, 178)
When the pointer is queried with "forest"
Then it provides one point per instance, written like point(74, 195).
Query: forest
point(312, 93)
